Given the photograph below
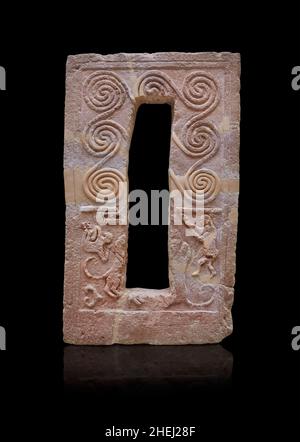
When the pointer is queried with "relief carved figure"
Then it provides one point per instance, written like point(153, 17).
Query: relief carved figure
point(94, 241)
point(207, 236)
point(114, 275)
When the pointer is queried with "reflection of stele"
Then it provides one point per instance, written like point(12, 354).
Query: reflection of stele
point(207, 237)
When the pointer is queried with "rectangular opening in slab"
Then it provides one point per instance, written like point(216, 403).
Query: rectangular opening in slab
point(147, 265)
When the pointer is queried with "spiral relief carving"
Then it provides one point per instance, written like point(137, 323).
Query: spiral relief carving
point(203, 180)
point(155, 83)
point(103, 137)
point(200, 139)
point(199, 92)
point(104, 92)
point(101, 185)
point(195, 181)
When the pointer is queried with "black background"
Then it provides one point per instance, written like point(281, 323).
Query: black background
point(265, 383)
point(148, 170)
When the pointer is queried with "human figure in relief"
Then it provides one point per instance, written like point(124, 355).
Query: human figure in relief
point(207, 236)
point(113, 277)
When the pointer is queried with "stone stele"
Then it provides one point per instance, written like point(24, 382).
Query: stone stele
point(103, 93)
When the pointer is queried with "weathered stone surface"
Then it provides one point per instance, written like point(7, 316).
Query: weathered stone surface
point(102, 97)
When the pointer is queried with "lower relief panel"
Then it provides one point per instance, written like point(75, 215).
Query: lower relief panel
point(99, 309)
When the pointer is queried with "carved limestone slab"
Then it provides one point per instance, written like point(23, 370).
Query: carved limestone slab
point(103, 94)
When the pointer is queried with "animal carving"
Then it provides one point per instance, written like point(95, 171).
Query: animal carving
point(94, 241)
point(114, 275)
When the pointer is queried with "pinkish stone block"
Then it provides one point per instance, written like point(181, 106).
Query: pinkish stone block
point(102, 97)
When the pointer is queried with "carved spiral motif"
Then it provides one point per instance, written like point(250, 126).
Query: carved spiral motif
point(155, 84)
point(104, 92)
point(201, 92)
point(101, 185)
point(200, 139)
point(203, 180)
point(103, 137)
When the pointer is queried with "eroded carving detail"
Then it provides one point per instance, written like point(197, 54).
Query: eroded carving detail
point(94, 241)
point(199, 139)
point(204, 297)
point(91, 296)
point(103, 137)
point(149, 299)
point(114, 275)
point(207, 237)
point(182, 253)
point(187, 290)
point(104, 92)
point(101, 185)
